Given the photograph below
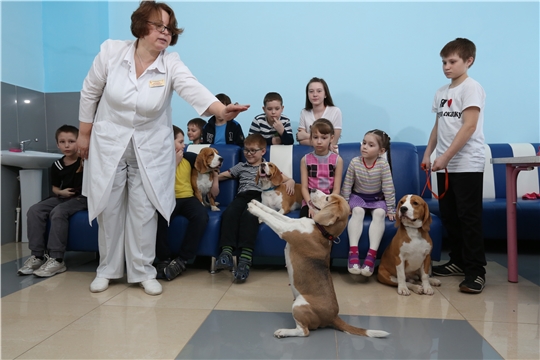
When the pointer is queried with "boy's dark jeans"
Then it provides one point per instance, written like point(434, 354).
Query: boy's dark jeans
point(461, 215)
point(239, 227)
point(197, 216)
point(58, 210)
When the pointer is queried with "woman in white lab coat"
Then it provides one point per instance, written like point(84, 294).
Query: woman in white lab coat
point(126, 137)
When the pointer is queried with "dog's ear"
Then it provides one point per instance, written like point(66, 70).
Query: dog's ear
point(257, 177)
point(427, 217)
point(200, 163)
point(277, 178)
point(398, 218)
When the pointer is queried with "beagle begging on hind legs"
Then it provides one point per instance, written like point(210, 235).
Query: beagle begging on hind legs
point(307, 255)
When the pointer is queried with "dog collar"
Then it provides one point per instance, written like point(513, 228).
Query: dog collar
point(270, 189)
point(326, 234)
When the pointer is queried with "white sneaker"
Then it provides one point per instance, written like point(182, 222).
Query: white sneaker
point(152, 287)
point(99, 285)
point(31, 264)
point(50, 268)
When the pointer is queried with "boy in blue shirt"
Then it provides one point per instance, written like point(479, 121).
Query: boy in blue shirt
point(220, 131)
point(458, 139)
point(66, 181)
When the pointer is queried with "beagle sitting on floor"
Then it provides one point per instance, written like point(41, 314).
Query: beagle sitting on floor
point(307, 255)
point(274, 193)
point(202, 176)
point(408, 257)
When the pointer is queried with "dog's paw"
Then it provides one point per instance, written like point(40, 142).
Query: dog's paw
point(427, 290)
point(280, 334)
point(214, 208)
point(403, 290)
point(434, 282)
point(418, 289)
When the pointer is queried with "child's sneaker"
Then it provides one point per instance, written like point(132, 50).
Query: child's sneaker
point(242, 271)
point(448, 269)
point(224, 261)
point(366, 270)
point(50, 268)
point(473, 284)
point(353, 263)
point(174, 268)
point(31, 264)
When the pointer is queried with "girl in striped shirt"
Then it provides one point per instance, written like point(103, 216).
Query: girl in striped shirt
point(368, 185)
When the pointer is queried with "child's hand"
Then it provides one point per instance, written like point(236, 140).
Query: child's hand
point(278, 126)
point(311, 213)
point(302, 135)
point(276, 140)
point(289, 185)
point(440, 163)
point(391, 217)
point(67, 192)
point(179, 156)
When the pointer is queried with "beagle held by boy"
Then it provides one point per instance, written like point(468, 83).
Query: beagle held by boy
point(274, 191)
point(202, 176)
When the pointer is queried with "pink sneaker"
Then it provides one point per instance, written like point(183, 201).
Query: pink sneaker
point(354, 263)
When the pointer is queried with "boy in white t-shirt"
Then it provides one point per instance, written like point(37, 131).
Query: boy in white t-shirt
point(458, 139)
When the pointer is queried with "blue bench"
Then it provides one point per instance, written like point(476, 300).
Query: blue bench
point(83, 237)
point(494, 195)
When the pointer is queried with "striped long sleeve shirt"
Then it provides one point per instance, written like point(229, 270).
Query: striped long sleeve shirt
point(370, 181)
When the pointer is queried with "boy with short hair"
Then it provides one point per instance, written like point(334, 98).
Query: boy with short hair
point(169, 265)
point(220, 131)
point(194, 130)
point(66, 181)
point(239, 227)
point(272, 125)
point(458, 139)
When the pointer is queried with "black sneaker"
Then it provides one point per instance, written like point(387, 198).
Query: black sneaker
point(473, 284)
point(175, 268)
point(242, 271)
point(224, 261)
point(448, 269)
point(160, 266)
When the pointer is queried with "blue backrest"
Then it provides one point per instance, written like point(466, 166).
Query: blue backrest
point(404, 158)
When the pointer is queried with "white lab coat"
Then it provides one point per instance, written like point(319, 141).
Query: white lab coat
point(122, 107)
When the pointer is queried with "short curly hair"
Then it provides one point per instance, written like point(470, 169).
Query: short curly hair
point(151, 11)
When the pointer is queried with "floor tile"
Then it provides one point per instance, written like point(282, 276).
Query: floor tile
point(26, 324)
point(512, 341)
point(120, 332)
point(498, 303)
point(14, 250)
point(68, 287)
point(250, 335)
point(194, 289)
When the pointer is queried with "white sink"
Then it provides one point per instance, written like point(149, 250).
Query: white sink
point(29, 159)
point(32, 164)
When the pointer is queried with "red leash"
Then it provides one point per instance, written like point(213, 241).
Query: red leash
point(428, 182)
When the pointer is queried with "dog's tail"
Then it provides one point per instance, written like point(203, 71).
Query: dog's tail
point(339, 324)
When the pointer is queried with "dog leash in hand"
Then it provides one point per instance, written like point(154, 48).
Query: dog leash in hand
point(326, 234)
point(428, 182)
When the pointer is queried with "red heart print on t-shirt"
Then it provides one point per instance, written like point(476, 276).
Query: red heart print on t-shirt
point(449, 102)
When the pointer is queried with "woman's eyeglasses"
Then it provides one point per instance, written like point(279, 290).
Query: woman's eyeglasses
point(160, 27)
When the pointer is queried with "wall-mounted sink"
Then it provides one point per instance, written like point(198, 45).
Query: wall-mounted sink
point(32, 164)
point(29, 159)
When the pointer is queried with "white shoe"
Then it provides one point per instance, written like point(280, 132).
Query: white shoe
point(31, 264)
point(152, 287)
point(99, 285)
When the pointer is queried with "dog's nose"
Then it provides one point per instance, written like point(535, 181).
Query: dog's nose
point(403, 209)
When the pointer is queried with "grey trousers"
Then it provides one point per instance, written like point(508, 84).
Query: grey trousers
point(58, 210)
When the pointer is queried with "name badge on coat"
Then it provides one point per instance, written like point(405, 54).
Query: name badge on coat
point(157, 83)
